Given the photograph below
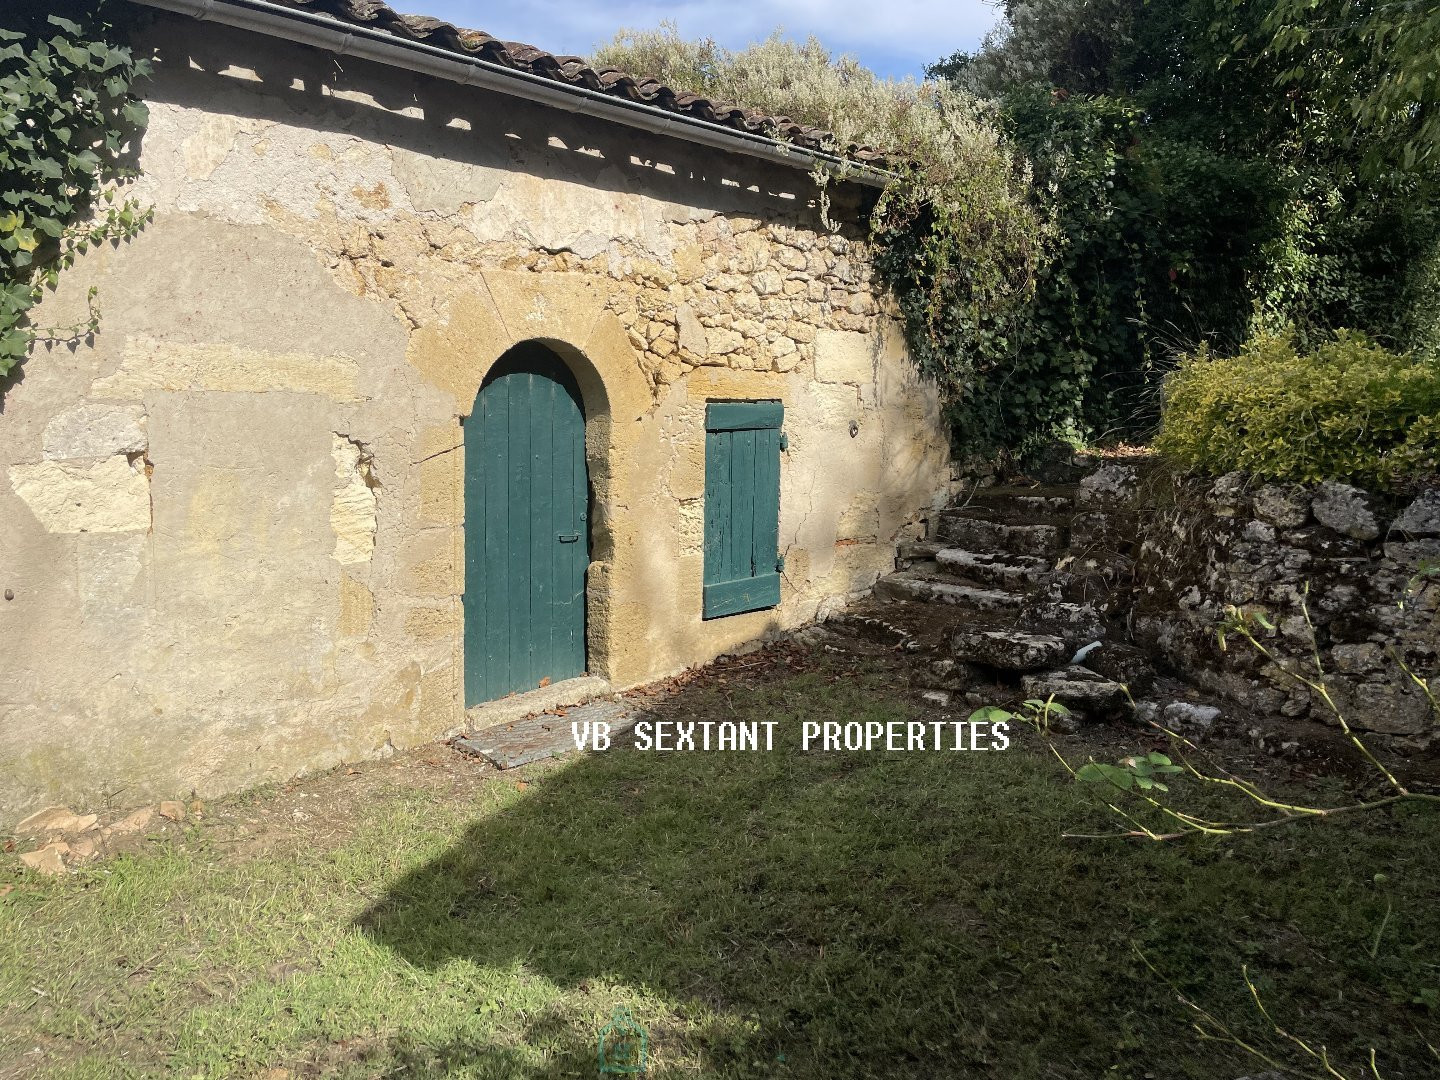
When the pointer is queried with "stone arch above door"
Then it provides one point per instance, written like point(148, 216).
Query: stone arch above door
point(566, 313)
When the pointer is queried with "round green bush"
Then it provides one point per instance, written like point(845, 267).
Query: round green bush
point(1349, 410)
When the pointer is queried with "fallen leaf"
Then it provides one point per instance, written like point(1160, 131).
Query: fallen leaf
point(352, 772)
point(521, 785)
point(545, 681)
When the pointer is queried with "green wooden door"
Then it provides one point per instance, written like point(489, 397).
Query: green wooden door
point(742, 506)
point(526, 536)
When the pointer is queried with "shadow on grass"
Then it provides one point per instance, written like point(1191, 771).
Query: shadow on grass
point(844, 914)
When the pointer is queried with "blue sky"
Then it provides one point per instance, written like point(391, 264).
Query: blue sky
point(894, 37)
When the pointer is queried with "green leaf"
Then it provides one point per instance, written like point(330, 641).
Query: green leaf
point(991, 714)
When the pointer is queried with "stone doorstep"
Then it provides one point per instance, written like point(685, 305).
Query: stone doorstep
point(517, 730)
point(561, 695)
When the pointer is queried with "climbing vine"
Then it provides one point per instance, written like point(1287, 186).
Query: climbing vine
point(68, 120)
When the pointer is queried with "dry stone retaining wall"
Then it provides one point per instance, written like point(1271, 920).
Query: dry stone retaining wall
point(1367, 571)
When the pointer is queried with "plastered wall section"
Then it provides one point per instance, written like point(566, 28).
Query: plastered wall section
point(232, 521)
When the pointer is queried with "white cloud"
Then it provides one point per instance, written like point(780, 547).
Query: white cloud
point(892, 36)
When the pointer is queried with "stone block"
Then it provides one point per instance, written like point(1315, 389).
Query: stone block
point(1420, 519)
point(843, 356)
point(1345, 509)
point(95, 431)
point(1109, 485)
point(1286, 506)
point(108, 496)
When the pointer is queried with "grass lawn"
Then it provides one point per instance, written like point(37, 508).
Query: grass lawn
point(780, 914)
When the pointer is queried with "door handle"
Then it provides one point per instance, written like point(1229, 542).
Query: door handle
point(567, 538)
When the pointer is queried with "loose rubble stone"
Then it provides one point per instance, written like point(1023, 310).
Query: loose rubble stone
point(1422, 517)
point(1147, 712)
point(953, 675)
point(1228, 494)
point(936, 697)
point(1182, 715)
point(1123, 664)
point(1109, 485)
point(48, 859)
point(1391, 708)
point(1081, 691)
point(172, 810)
point(876, 630)
point(1259, 532)
point(139, 821)
point(1101, 528)
point(1359, 659)
point(1009, 650)
point(1345, 509)
point(82, 848)
point(53, 819)
point(1285, 506)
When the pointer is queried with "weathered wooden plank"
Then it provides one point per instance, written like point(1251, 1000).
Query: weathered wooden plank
point(767, 500)
point(747, 594)
point(717, 506)
point(575, 555)
point(473, 597)
point(742, 512)
point(494, 462)
point(540, 430)
point(742, 415)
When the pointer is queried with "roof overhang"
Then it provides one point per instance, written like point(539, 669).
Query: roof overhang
point(348, 39)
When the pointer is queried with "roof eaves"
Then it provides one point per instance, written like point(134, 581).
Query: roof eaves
point(419, 43)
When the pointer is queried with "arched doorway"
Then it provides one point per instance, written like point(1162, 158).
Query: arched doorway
point(527, 542)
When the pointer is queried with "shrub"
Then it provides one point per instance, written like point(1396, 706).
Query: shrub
point(1348, 410)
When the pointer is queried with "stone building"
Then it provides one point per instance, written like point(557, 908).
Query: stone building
point(448, 370)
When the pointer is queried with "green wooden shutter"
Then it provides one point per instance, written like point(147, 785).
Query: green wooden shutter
point(742, 506)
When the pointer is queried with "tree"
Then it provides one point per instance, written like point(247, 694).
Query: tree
point(1378, 75)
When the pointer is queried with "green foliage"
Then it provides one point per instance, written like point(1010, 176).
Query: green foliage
point(1139, 772)
point(1348, 410)
point(1372, 65)
point(1156, 224)
point(1191, 203)
point(69, 115)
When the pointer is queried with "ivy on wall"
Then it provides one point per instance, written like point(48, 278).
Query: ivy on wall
point(68, 120)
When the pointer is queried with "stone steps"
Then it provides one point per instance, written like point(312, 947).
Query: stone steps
point(967, 529)
point(1006, 598)
point(907, 586)
point(1002, 571)
point(1001, 562)
point(1009, 650)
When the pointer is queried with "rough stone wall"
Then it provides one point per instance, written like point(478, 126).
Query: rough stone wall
point(232, 522)
point(1368, 573)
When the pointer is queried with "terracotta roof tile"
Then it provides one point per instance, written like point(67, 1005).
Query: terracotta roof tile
point(575, 71)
